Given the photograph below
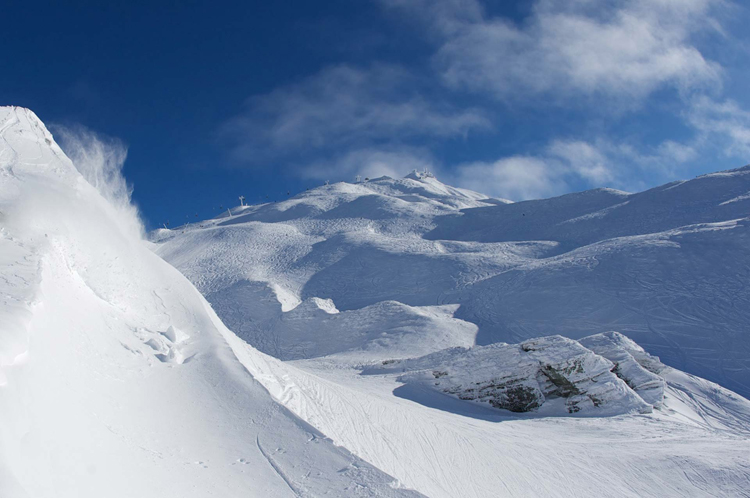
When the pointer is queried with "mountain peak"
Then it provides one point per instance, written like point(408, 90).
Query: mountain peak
point(22, 118)
point(420, 175)
point(32, 146)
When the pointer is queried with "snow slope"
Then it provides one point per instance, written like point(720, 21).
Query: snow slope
point(696, 445)
point(116, 377)
point(402, 278)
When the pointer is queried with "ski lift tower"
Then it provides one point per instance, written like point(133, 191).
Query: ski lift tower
point(242, 200)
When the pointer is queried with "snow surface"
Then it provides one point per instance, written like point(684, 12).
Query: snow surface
point(696, 445)
point(117, 377)
point(390, 299)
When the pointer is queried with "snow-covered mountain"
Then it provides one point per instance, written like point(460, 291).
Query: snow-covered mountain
point(118, 378)
point(397, 297)
point(667, 267)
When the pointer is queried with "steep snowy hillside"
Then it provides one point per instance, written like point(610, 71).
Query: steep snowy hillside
point(116, 377)
point(377, 294)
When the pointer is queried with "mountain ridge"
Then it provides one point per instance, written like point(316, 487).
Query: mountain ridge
point(367, 237)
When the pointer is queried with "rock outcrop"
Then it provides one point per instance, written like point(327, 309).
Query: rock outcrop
point(549, 375)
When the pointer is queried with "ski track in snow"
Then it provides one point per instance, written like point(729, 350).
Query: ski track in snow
point(277, 469)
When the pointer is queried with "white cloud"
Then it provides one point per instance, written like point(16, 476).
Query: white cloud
point(723, 124)
point(370, 163)
point(562, 166)
point(583, 159)
point(340, 107)
point(677, 152)
point(598, 56)
point(620, 48)
point(515, 178)
point(445, 16)
point(570, 165)
point(346, 121)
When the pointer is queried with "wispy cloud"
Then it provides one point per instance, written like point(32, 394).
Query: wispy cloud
point(441, 17)
point(723, 124)
point(595, 56)
point(619, 49)
point(369, 163)
point(568, 165)
point(342, 107)
point(515, 178)
point(581, 57)
point(584, 160)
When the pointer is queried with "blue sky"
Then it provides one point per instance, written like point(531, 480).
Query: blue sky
point(519, 100)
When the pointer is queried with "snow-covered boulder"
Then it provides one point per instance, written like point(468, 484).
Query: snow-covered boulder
point(635, 366)
point(549, 375)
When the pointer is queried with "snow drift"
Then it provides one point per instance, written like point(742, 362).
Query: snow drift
point(117, 377)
